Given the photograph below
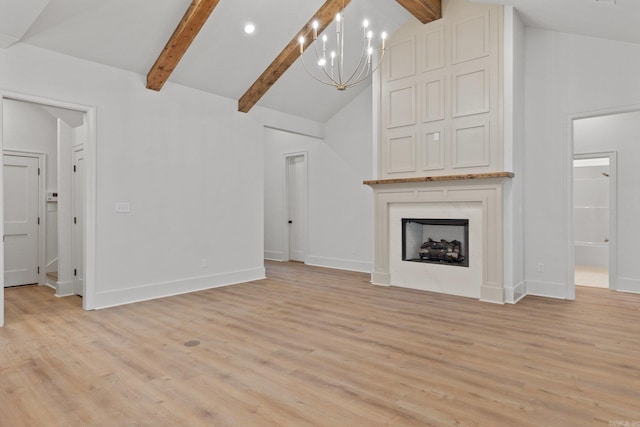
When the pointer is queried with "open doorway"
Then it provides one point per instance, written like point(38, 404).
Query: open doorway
point(611, 134)
point(594, 190)
point(73, 124)
point(286, 192)
point(39, 204)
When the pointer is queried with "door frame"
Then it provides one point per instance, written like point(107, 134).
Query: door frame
point(568, 214)
point(613, 228)
point(42, 226)
point(88, 300)
point(77, 290)
point(286, 247)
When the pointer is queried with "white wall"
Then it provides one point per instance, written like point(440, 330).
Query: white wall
point(339, 206)
point(619, 133)
point(564, 75)
point(187, 162)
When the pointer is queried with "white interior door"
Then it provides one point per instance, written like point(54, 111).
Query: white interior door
point(21, 193)
point(296, 196)
point(77, 237)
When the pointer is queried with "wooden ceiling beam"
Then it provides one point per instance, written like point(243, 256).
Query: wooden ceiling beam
point(289, 54)
point(424, 10)
point(184, 34)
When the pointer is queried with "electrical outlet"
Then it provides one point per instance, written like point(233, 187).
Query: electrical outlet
point(354, 251)
point(204, 263)
point(540, 267)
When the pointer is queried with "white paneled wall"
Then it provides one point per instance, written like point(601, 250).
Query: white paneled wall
point(440, 96)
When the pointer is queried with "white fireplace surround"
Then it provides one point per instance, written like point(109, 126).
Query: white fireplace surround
point(443, 278)
point(486, 194)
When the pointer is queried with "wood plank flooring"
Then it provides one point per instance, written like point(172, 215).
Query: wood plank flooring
point(318, 347)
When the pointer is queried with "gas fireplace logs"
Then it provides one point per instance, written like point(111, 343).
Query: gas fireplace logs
point(442, 251)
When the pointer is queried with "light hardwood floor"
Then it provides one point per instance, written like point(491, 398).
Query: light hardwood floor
point(312, 346)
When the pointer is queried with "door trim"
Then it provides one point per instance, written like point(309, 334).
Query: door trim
point(286, 249)
point(88, 300)
point(42, 214)
point(75, 263)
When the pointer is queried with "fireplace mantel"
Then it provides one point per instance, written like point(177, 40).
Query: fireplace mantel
point(440, 178)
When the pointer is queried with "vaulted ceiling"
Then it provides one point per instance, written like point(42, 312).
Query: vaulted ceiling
point(223, 60)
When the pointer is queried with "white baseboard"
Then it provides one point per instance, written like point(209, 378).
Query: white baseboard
point(274, 255)
point(175, 287)
point(628, 285)
point(546, 289)
point(339, 264)
point(515, 294)
point(64, 289)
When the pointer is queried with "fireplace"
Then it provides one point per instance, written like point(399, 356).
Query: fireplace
point(476, 198)
point(436, 241)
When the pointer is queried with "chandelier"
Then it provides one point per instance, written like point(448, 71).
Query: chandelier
point(331, 68)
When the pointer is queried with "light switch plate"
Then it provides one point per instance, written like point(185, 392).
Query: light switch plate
point(123, 207)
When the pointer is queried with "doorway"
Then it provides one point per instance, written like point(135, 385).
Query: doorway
point(58, 109)
point(606, 134)
point(594, 190)
point(41, 231)
point(296, 206)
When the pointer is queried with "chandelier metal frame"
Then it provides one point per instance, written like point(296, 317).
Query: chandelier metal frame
point(333, 73)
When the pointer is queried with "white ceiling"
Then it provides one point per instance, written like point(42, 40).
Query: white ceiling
point(129, 34)
point(16, 17)
point(620, 21)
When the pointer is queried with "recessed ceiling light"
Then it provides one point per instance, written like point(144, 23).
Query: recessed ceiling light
point(249, 28)
point(605, 2)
